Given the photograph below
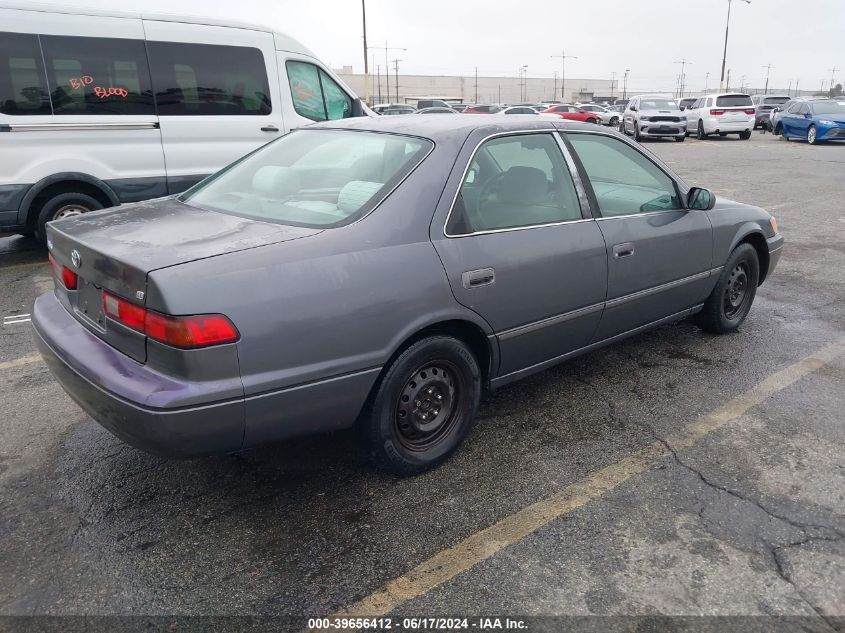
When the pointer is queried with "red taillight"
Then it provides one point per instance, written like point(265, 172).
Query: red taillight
point(751, 111)
point(187, 332)
point(69, 278)
point(716, 112)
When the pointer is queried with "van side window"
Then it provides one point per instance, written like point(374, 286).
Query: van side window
point(23, 88)
point(209, 79)
point(316, 96)
point(97, 75)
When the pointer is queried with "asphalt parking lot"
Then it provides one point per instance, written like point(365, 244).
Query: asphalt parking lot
point(677, 473)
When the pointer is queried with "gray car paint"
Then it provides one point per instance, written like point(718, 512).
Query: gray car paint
point(321, 312)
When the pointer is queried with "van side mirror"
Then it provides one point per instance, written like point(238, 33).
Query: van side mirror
point(701, 199)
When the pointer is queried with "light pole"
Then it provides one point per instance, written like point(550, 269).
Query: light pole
point(725, 52)
point(768, 68)
point(612, 81)
point(366, 66)
point(706, 81)
point(625, 84)
point(396, 67)
point(742, 83)
point(682, 78)
point(563, 57)
point(554, 92)
point(386, 49)
point(523, 71)
point(832, 79)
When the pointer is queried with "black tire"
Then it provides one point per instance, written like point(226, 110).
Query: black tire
point(622, 127)
point(723, 134)
point(745, 135)
point(614, 121)
point(594, 121)
point(432, 374)
point(700, 132)
point(637, 136)
point(63, 205)
point(731, 299)
point(680, 139)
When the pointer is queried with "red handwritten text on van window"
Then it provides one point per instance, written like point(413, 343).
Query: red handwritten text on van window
point(77, 82)
point(111, 91)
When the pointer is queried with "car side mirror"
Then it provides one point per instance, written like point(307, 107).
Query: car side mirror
point(358, 108)
point(775, 110)
point(807, 115)
point(701, 199)
point(633, 109)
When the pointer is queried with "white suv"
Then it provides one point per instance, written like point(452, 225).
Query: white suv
point(722, 114)
point(648, 116)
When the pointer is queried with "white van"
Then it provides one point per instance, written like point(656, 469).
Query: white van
point(98, 108)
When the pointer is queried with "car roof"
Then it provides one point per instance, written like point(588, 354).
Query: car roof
point(436, 127)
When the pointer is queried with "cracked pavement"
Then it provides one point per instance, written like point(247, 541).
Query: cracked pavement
point(747, 521)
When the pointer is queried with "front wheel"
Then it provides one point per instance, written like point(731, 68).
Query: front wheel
point(812, 135)
point(423, 406)
point(637, 136)
point(680, 139)
point(614, 122)
point(731, 299)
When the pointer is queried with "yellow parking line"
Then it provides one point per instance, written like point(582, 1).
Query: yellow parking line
point(20, 362)
point(480, 546)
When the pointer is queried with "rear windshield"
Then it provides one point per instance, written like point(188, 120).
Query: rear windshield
point(732, 101)
point(312, 178)
point(776, 100)
point(657, 104)
point(828, 107)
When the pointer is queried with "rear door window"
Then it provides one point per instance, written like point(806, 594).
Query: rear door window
point(23, 86)
point(315, 95)
point(209, 80)
point(733, 101)
point(97, 75)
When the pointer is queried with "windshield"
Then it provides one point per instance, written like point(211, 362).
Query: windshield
point(733, 101)
point(828, 107)
point(658, 104)
point(312, 178)
point(776, 100)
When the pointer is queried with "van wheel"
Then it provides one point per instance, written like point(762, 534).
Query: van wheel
point(731, 299)
point(61, 206)
point(423, 406)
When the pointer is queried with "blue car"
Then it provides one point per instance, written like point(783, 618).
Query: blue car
point(815, 121)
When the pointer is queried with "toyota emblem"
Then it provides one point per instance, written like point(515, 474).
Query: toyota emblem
point(76, 258)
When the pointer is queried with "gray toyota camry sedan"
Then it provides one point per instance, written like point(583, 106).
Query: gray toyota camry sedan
point(380, 273)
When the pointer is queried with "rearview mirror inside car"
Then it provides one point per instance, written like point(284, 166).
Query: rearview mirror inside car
point(701, 199)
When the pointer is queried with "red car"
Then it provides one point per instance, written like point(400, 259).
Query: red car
point(482, 109)
point(573, 113)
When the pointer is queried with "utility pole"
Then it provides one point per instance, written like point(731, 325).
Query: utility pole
point(797, 94)
point(387, 48)
point(706, 81)
point(554, 92)
point(832, 79)
point(476, 84)
point(523, 71)
point(366, 66)
point(789, 90)
point(725, 52)
point(742, 84)
point(612, 81)
point(563, 57)
point(396, 67)
point(768, 68)
point(681, 79)
point(728, 82)
point(378, 76)
point(625, 84)
point(821, 89)
point(500, 94)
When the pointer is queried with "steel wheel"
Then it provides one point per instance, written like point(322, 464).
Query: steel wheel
point(426, 408)
point(68, 210)
point(736, 290)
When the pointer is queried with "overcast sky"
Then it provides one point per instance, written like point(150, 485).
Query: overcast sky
point(802, 39)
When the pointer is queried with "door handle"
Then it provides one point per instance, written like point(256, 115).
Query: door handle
point(480, 277)
point(625, 249)
point(269, 128)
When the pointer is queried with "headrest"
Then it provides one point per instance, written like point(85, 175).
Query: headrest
point(523, 185)
point(276, 181)
point(355, 194)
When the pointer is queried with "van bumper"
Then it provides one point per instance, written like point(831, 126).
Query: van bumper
point(81, 363)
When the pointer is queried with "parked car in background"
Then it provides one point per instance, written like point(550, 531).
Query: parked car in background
point(763, 105)
point(621, 102)
point(520, 110)
point(722, 114)
point(606, 115)
point(686, 102)
point(653, 116)
point(379, 274)
point(431, 103)
point(459, 107)
point(573, 113)
point(394, 108)
point(773, 124)
point(814, 121)
point(482, 109)
point(436, 110)
point(99, 107)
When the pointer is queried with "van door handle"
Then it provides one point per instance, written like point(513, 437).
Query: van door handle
point(476, 278)
point(269, 128)
point(625, 249)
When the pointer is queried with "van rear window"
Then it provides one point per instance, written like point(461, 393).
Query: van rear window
point(23, 89)
point(733, 101)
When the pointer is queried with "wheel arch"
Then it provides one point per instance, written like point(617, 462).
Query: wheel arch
point(62, 183)
point(754, 237)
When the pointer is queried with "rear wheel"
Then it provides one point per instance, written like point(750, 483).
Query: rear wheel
point(63, 205)
point(423, 406)
point(812, 135)
point(593, 121)
point(700, 132)
point(745, 135)
point(614, 122)
point(731, 299)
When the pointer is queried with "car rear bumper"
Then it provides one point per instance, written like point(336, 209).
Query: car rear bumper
point(83, 364)
point(715, 126)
